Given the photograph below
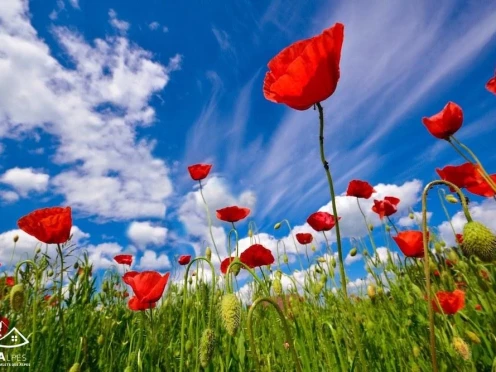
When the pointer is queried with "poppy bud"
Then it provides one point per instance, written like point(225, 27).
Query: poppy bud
point(250, 233)
point(16, 238)
point(461, 348)
point(353, 252)
point(37, 250)
point(452, 256)
point(277, 287)
point(416, 351)
point(371, 291)
point(285, 259)
point(388, 228)
point(207, 344)
point(230, 312)
point(365, 252)
point(208, 253)
point(411, 216)
point(473, 337)
point(478, 240)
point(100, 340)
point(76, 367)
point(371, 227)
point(451, 199)
point(321, 259)
point(313, 248)
point(76, 266)
point(50, 273)
point(17, 297)
point(438, 248)
point(277, 226)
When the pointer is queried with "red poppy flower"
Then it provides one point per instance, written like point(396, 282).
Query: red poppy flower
point(459, 238)
point(256, 255)
point(446, 122)
point(4, 326)
point(449, 263)
point(491, 84)
point(225, 264)
point(199, 171)
point(411, 243)
point(483, 188)
point(321, 221)
point(386, 207)
point(478, 307)
point(184, 259)
point(451, 302)
point(127, 276)
point(124, 259)
point(136, 305)
point(463, 176)
point(48, 225)
point(304, 238)
point(232, 214)
point(148, 286)
point(360, 189)
point(307, 71)
point(437, 273)
point(10, 281)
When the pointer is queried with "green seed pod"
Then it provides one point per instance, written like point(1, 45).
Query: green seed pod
point(17, 297)
point(189, 346)
point(37, 250)
point(76, 367)
point(371, 291)
point(371, 227)
point(313, 248)
point(479, 241)
point(277, 285)
point(365, 253)
point(353, 252)
point(411, 216)
point(50, 273)
point(277, 226)
point(473, 337)
point(207, 345)
point(250, 233)
point(76, 266)
point(451, 199)
point(15, 238)
point(438, 248)
point(321, 259)
point(208, 254)
point(230, 313)
point(388, 228)
point(100, 340)
point(285, 259)
point(190, 281)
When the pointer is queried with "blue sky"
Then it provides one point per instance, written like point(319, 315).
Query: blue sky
point(103, 105)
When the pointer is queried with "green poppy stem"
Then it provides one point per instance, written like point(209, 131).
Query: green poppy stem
point(432, 335)
point(333, 199)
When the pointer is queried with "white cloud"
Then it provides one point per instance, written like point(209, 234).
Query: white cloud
point(151, 261)
point(74, 3)
point(9, 196)
point(145, 233)
point(406, 221)
point(25, 180)
point(118, 24)
point(154, 26)
point(106, 97)
point(484, 212)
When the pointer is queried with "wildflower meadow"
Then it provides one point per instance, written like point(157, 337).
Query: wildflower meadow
point(431, 307)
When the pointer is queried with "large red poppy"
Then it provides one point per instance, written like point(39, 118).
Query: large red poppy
point(491, 84)
point(410, 243)
point(451, 302)
point(184, 260)
point(199, 171)
point(360, 189)
point(321, 221)
point(307, 71)
point(225, 264)
point(446, 122)
point(232, 214)
point(148, 286)
point(463, 176)
point(136, 305)
point(48, 225)
point(386, 207)
point(304, 238)
point(124, 259)
point(483, 188)
point(256, 255)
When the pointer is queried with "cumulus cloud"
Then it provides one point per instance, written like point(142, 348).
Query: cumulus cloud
point(151, 261)
point(25, 180)
point(406, 221)
point(118, 24)
point(111, 173)
point(9, 196)
point(146, 233)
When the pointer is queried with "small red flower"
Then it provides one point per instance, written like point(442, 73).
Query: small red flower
point(437, 273)
point(463, 176)
point(48, 225)
point(199, 171)
point(232, 214)
point(411, 243)
point(148, 286)
point(256, 255)
point(459, 238)
point(451, 302)
point(136, 305)
point(304, 238)
point(124, 259)
point(4, 326)
point(491, 84)
point(307, 71)
point(449, 263)
point(52, 301)
point(321, 221)
point(225, 264)
point(10, 281)
point(386, 207)
point(360, 189)
point(478, 307)
point(483, 188)
point(445, 123)
point(184, 260)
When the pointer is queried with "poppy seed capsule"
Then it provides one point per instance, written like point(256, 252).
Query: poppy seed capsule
point(76, 367)
point(208, 254)
point(285, 259)
point(411, 216)
point(207, 344)
point(16, 238)
point(17, 297)
point(230, 312)
point(451, 199)
point(277, 226)
point(371, 227)
point(353, 252)
point(277, 287)
point(478, 240)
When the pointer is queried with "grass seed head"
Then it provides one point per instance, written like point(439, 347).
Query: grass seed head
point(473, 337)
point(230, 312)
point(461, 348)
point(17, 297)
point(207, 345)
